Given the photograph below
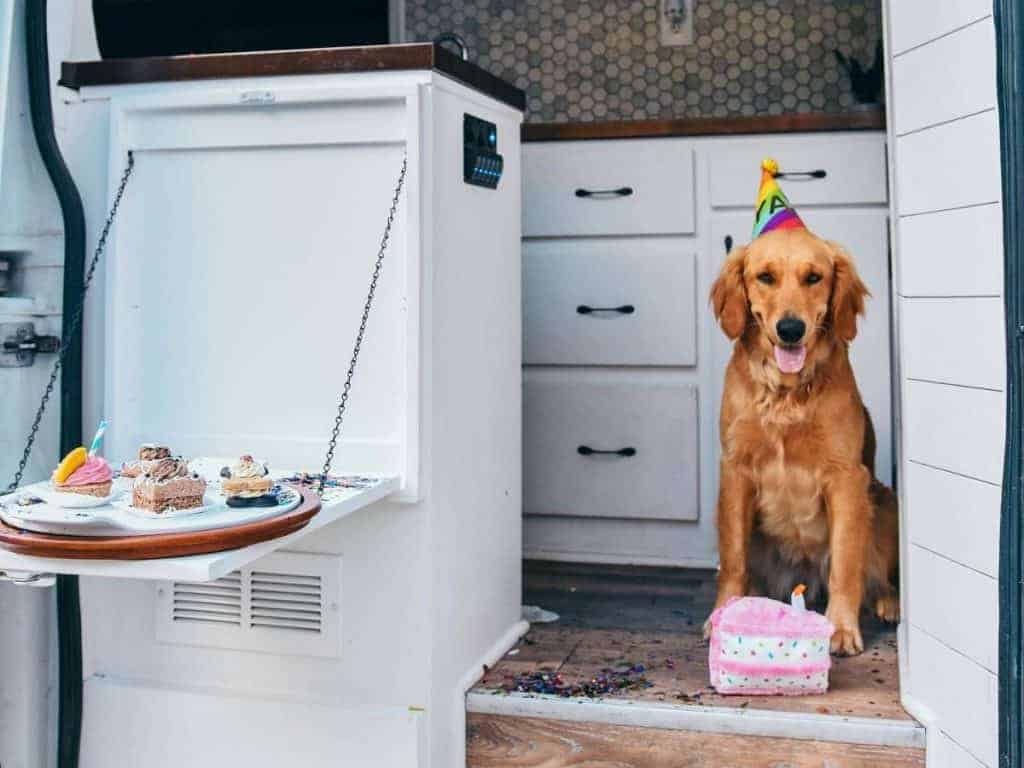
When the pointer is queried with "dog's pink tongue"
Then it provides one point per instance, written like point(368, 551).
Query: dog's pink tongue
point(790, 359)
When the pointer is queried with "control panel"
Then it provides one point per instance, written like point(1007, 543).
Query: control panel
point(482, 165)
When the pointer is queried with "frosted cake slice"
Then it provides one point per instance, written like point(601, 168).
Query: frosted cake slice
point(168, 484)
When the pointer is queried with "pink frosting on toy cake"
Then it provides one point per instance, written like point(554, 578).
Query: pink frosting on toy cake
point(764, 647)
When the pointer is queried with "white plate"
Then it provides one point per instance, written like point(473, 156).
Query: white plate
point(117, 520)
point(211, 501)
point(74, 500)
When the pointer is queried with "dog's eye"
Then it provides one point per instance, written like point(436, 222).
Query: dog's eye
point(766, 278)
point(813, 278)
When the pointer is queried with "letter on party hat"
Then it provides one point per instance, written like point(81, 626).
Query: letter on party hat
point(773, 209)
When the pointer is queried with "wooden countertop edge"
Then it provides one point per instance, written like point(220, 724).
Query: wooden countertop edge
point(705, 126)
point(371, 58)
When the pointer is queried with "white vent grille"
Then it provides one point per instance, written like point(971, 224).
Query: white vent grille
point(285, 603)
point(219, 602)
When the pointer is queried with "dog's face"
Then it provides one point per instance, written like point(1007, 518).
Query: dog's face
point(788, 292)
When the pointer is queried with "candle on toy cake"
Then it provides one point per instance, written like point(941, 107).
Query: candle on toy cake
point(763, 647)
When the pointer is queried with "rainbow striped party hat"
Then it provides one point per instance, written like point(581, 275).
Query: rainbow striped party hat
point(773, 208)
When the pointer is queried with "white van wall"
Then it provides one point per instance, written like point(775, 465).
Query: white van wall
point(949, 280)
point(30, 228)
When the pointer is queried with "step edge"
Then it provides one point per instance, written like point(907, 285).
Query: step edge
point(724, 720)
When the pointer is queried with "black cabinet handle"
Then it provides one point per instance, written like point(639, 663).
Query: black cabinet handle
point(625, 309)
point(586, 450)
point(620, 192)
point(821, 173)
point(728, 244)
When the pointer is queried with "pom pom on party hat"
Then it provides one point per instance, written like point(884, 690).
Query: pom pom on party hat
point(773, 209)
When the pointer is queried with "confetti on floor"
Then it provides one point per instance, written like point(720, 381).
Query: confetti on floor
point(606, 682)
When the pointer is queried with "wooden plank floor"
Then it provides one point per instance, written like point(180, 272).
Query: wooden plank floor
point(614, 617)
point(512, 742)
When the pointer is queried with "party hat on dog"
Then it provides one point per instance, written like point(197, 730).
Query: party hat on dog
point(773, 208)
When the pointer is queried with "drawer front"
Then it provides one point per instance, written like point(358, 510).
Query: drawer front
point(651, 424)
point(854, 170)
point(632, 187)
point(609, 302)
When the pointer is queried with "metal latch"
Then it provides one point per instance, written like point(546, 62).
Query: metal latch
point(20, 345)
point(28, 578)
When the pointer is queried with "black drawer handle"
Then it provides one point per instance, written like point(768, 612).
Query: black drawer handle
point(625, 309)
point(620, 192)
point(586, 450)
point(728, 244)
point(821, 173)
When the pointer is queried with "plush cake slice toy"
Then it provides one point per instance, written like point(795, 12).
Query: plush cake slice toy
point(762, 647)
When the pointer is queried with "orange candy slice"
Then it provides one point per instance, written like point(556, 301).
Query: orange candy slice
point(69, 464)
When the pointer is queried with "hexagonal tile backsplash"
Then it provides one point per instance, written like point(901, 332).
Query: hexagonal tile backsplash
point(585, 60)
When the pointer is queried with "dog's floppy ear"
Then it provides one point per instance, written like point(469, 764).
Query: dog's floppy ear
point(729, 295)
point(848, 294)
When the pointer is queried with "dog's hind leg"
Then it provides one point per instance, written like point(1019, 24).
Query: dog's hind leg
point(883, 555)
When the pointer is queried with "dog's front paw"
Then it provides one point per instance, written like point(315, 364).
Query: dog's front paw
point(846, 640)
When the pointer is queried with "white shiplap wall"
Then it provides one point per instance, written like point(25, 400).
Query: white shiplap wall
point(949, 283)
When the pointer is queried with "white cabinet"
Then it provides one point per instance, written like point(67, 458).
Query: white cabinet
point(631, 187)
point(227, 304)
point(620, 301)
point(618, 448)
point(646, 371)
point(257, 732)
point(841, 169)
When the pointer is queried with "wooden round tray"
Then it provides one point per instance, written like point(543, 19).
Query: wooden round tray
point(162, 544)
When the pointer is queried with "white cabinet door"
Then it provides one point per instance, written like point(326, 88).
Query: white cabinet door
point(126, 724)
point(614, 301)
point(829, 170)
point(864, 234)
point(610, 447)
point(629, 187)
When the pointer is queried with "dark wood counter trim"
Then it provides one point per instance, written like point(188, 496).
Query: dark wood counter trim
point(373, 58)
point(705, 126)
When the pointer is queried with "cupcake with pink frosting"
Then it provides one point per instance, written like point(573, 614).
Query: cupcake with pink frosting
point(83, 474)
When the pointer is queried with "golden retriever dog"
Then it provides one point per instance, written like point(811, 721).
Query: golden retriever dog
point(798, 500)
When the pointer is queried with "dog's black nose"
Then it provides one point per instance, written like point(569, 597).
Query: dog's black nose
point(790, 329)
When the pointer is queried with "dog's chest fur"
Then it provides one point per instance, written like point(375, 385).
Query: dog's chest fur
point(786, 470)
